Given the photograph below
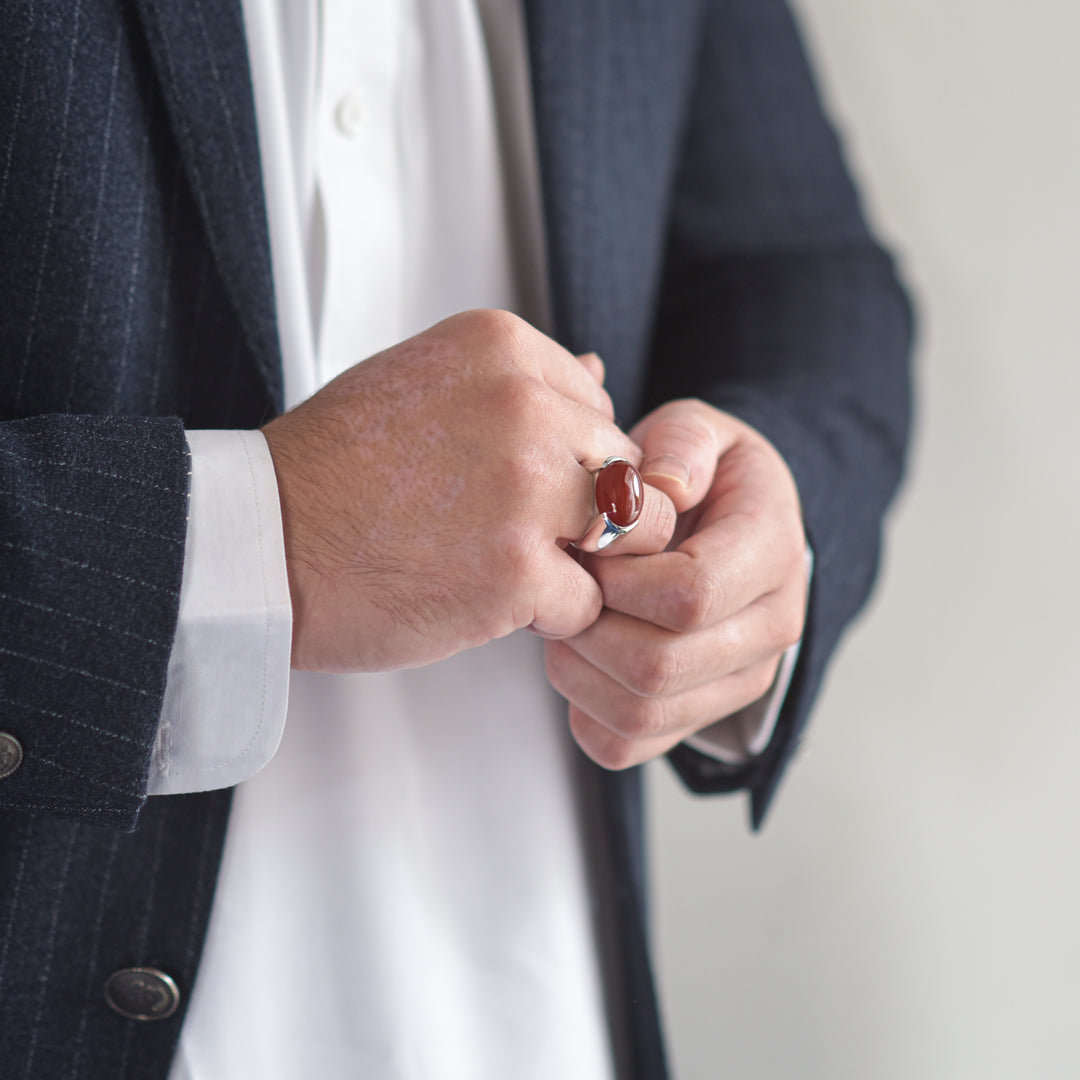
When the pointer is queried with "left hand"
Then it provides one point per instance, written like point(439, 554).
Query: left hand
point(692, 634)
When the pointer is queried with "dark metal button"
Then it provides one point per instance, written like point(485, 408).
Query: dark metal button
point(142, 993)
point(10, 754)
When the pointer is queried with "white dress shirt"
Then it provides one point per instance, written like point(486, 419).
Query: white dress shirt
point(403, 892)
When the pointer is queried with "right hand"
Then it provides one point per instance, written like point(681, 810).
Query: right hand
point(428, 493)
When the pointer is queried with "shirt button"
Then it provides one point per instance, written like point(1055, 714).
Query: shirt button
point(352, 114)
point(11, 754)
point(142, 993)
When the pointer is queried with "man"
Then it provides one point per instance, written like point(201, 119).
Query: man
point(700, 235)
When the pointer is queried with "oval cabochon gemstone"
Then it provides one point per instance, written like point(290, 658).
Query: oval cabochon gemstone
point(619, 493)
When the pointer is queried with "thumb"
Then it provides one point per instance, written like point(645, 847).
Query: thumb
point(681, 443)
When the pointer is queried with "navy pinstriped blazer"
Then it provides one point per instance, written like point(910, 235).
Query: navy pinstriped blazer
point(703, 237)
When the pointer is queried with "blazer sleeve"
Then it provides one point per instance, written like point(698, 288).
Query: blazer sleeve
point(92, 524)
point(779, 307)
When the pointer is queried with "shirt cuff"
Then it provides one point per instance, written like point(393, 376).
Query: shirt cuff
point(228, 680)
point(746, 733)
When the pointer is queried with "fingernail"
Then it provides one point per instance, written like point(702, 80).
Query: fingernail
point(667, 467)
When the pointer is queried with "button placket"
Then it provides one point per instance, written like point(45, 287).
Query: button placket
point(360, 178)
point(352, 114)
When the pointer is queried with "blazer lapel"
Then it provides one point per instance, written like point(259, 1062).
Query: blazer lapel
point(200, 53)
point(610, 80)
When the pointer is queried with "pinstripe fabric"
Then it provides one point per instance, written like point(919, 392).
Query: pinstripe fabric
point(140, 933)
point(75, 361)
point(114, 310)
point(61, 145)
point(47, 955)
point(118, 329)
point(92, 950)
point(703, 237)
point(211, 115)
point(20, 837)
point(90, 902)
point(26, 26)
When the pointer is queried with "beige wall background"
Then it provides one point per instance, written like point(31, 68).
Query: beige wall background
point(913, 906)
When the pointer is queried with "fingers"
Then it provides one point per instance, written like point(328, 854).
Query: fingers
point(617, 729)
point(651, 535)
point(594, 437)
point(612, 751)
point(577, 509)
point(492, 332)
point(587, 438)
point(594, 366)
point(692, 634)
point(568, 600)
point(746, 544)
point(589, 422)
point(652, 662)
point(681, 443)
point(579, 416)
point(654, 529)
point(572, 377)
point(686, 591)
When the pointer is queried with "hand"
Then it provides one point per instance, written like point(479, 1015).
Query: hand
point(427, 495)
point(691, 635)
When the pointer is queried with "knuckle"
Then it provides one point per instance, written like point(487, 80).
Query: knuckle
point(654, 672)
point(694, 599)
point(509, 335)
point(687, 422)
point(660, 517)
point(522, 403)
point(685, 410)
point(759, 681)
point(611, 753)
point(496, 328)
point(496, 340)
point(689, 609)
point(640, 718)
point(604, 747)
point(695, 431)
point(620, 756)
point(592, 607)
point(791, 627)
point(522, 473)
point(556, 664)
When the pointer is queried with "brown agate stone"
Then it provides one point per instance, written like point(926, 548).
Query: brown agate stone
point(619, 493)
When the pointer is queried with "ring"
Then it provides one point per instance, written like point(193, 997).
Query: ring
point(618, 494)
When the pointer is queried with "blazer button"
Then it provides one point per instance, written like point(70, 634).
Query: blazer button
point(10, 754)
point(142, 993)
